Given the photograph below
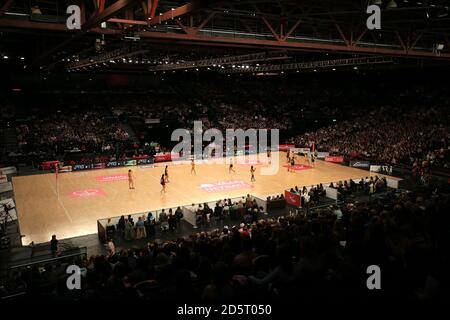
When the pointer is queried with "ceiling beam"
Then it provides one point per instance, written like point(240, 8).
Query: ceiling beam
point(128, 22)
point(271, 29)
point(109, 12)
point(292, 29)
point(195, 39)
point(174, 12)
point(154, 6)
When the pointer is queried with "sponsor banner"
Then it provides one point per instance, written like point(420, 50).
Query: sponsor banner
point(160, 157)
point(82, 166)
point(47, 165)
point(145, 161)
point(322, 155)
point(297, 167)
point(360, 164)
point(129, 162)
point(224, 186)
point(111, 178)
point(87, 193)
point(292, 198)
point(111, 164)
point(336, 159)
point(65, 169)
point(100, 165)
point(285, 147)
point(300, 150)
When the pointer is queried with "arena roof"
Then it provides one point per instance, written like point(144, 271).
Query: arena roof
point(133, 35)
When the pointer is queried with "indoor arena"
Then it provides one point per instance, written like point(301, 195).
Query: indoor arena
point(196, 152)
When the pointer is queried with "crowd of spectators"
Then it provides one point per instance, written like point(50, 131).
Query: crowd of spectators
point(401, 132)
point(245, 210)
point(387, 137)
point(323, 254)
point(232, 105)
point(70, 131)
point(368, 186)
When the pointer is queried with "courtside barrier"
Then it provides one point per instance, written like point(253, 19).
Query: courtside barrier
point(103, 223)
point(189, 214)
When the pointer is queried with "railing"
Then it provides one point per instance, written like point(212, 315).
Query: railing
point(72, 256)
point(189, 214)
point(66, 254)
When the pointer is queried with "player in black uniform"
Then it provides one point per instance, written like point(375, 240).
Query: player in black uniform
point(163, 183)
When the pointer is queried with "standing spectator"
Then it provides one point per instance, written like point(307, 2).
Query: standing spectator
point(178, 216)
point(54, 246)
point(140, 229)
point(172, 221)
point(129, 233)
point(164, 220)
point(150, 224)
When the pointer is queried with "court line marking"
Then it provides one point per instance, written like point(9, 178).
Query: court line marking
point(56, 192)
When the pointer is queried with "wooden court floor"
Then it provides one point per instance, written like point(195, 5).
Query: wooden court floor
point(72, 206)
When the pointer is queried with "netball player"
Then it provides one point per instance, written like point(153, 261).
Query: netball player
point(166, 173)
point(163, 183)
point(292, 164)
point(193, 167)
point(252, 172)
point(130, 180)
point(312, 159)
point(307, 158)
point(269, 155)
